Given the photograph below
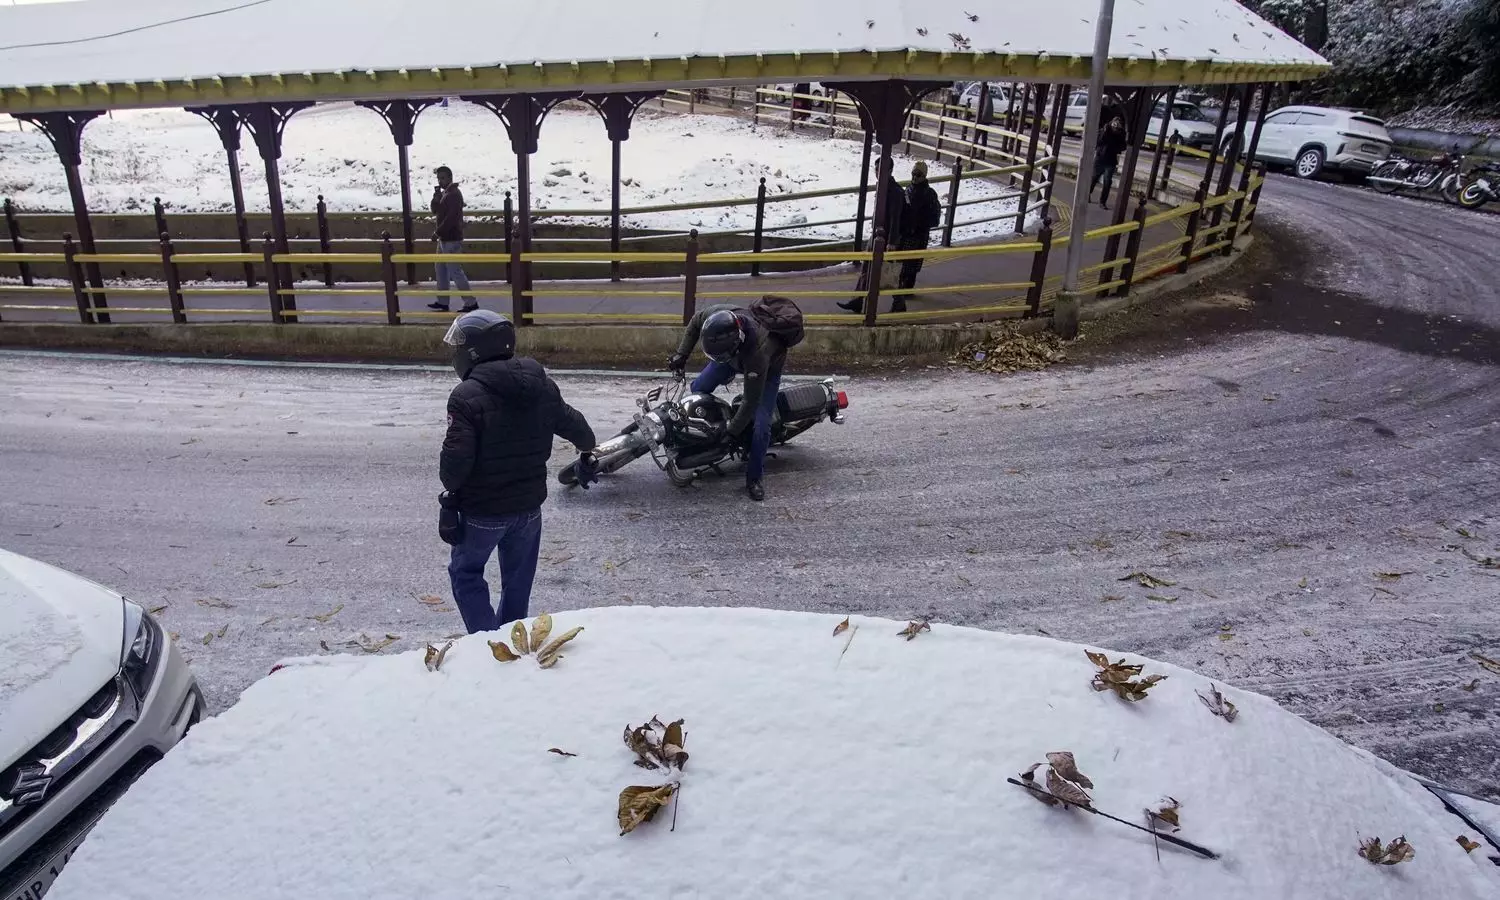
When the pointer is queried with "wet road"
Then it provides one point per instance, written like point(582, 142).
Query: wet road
point(1313, 463)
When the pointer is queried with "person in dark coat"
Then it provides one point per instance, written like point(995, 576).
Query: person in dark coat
point(501, 419)
point(895, 211)
point(738, 342)
point(1112, 142)
point(448, 211)
point(923, 213)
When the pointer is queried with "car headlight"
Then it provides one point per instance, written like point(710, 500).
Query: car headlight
point(139, 649)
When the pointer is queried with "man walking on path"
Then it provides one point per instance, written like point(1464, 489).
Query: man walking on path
point(895, 212)
point(1112, 141)
point(923, 213)
point(448, 209)
point(501, 419)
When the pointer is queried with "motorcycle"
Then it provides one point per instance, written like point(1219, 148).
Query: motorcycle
point(683, 431)
point(1483, 187)
point(1442, 174)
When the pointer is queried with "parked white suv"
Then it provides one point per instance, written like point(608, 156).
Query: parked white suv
point(92, 691)
point(1187, 122)
point(1315, 139)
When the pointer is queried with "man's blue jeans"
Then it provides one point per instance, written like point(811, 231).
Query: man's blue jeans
point(716, 375)
point(519, 539)
point(451, 273)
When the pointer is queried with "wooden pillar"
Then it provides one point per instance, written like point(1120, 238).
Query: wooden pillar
point(1136, 110)
point(1249, 167)
point(14, 227)
point(614, 207)
point(1161, 140)
point(1232, 155)
point(618, 112)
point(1055, 136)
point(1213, 155)
point(864, 192)
point(1026, 179)
point(401, 118)
point(266, 121)
point(65, 131)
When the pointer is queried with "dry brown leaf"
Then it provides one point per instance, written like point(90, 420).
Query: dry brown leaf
point(1120, 678)
point(431, 600)
point(213, 603)
point(639, 741)
point(560, 752)
point(1007, 349)
point(547, 656)
point(841, 627)
point(158, 610)
point(502, 651)
point(1485, 662)
point(1392, 576)
point(1218, 705)
point(671, 745)
point(1166, 812)
point(1029, 777)
point(372, 646)
point(1147, 580)
point(1066, 791)
point(541, 628)
point(1471, 685)
point(639, 803)
point(519, 638)
point(1468, 845)
point(1397, 851)
point(913, 629)
point(324, 617)
point(1067, 767)
point(434, 657)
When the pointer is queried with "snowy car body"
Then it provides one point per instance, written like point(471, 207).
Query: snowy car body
point(91, 693)
point(999, 96)
point(1188, 123)
point(1315, 139)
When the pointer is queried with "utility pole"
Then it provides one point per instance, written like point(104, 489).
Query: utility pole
point(1065, 312)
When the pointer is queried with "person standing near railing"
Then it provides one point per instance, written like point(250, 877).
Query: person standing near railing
point(895, 211)
point(448, 210)
point(924, 212)
point(1112, 142)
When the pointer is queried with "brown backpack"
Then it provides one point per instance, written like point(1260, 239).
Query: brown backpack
point(779, 316)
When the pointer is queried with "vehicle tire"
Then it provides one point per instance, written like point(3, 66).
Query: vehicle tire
point(678, 477)
point(1451, 190)
point(1384, 170)
point(1310, 162)
point(1472, 197)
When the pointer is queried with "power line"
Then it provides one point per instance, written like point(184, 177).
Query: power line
point(101, 37)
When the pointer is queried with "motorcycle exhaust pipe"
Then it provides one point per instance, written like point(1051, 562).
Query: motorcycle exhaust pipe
point(1400, 182)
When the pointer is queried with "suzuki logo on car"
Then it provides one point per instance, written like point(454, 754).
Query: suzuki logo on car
point(30, 784)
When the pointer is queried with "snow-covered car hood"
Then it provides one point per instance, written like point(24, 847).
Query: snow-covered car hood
point(60, 639)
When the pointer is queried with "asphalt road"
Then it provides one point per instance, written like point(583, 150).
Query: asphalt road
point(1313, 462)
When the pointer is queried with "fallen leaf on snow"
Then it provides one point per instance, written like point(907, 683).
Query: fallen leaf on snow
point(541, 629)
point(519, 638)
point(1397, 851)
point(1391, 576)
point(158, 610)
point(1471, 685)
point(640, 803)
point(370, 645)
point(1218, 705)
point(1485, 662)
point(548, 656)
point(1468, 845)
point(431, 600)
point(560, 752)
point(1120, 678)
point(1067, 767)
point(913, 629)
point(324, 617)
point(841, 627)
point(1066, 791)
point(1165, 812)
point(434, 657)
point(213, 603)
point(1161, 598)
point(502, 651)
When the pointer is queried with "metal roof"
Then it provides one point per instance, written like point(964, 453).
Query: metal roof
point(100, 54)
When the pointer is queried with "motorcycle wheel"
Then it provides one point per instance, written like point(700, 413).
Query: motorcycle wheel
point(678, 477)
point(1473, 196)
point(1384, 171)
point(1451, 190)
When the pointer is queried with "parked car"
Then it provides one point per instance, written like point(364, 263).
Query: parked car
point(1188, 123)
point(1316, 139)
point(92, 692)
point(999, 96)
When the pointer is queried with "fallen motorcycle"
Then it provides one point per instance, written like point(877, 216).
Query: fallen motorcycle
point(684, 431)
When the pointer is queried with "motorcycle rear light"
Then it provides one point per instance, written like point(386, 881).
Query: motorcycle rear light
point(843, 399)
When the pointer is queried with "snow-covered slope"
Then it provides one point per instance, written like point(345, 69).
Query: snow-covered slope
point(346, 154)
point(856, 765)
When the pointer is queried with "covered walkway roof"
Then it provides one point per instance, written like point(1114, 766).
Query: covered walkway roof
point(102, 54)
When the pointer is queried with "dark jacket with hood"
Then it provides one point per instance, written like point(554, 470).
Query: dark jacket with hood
point(448, 208)
point(924, 211)
point(501, 420)
point(760, 356)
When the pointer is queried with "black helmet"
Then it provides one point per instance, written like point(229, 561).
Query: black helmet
point(723, 335)
point(480, 336)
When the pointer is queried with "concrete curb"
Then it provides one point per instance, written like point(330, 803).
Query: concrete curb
point(829, 348)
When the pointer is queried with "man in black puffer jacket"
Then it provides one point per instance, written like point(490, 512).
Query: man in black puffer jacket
point(501, 419)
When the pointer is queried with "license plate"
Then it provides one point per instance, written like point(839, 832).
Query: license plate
point(41, 880)
point(1373, 149)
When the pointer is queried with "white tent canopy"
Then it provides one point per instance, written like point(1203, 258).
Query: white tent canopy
point(119, 53)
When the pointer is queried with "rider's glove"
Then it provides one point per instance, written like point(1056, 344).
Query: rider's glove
point(587, 469)
point(677, 364)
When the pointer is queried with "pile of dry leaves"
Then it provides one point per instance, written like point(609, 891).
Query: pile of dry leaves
point(1008, 349)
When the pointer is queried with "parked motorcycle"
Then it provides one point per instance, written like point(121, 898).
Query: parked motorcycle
point(1442, 174)
point(1483, 187)
point(683, 431)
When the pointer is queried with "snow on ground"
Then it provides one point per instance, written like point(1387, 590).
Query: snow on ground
point(346, 154)
point(856, 765)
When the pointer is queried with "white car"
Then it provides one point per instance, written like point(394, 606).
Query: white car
point(92, 691)
point(999, 97)
point(1316, 139)
point(1187, 122)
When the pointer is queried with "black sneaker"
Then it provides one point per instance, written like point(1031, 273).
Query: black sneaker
point(898, 306)
point(470, 308)
point(854, 306)
point(440, 307)
point(756, 490)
